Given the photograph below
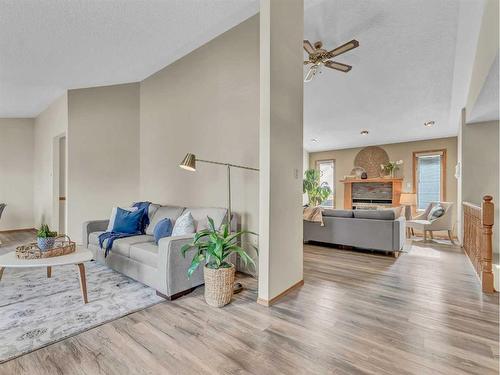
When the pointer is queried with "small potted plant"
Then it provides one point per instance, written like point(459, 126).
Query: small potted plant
point(213, 247)
point(45, 238)
point(391, 167)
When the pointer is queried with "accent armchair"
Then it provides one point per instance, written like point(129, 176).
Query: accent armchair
point(442, 223)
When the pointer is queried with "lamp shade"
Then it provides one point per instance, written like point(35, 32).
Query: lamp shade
point(189, 162)
point(409, 199)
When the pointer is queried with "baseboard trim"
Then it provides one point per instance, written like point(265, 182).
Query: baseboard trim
point(16, 230)
point(270, 302)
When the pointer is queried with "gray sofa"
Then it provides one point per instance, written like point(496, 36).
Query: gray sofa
point(366, 229)
point(161, 266)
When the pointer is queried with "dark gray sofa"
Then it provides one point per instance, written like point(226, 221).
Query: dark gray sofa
point(366, 229)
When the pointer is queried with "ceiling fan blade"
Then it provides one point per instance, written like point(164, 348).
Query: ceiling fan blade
point(343, 48)
point(338, 66)
point(308, 47)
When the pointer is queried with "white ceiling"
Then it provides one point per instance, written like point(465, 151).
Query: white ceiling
point(48, 46)
point(403, 71)
point(486, 106)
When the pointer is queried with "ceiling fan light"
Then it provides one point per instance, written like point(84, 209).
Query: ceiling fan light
point(429, 124)
point(311, 73)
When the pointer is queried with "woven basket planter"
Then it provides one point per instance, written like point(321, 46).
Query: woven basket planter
point(219, 285)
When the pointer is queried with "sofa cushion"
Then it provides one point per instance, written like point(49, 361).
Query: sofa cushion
point(338, 213)
point(375, 214)
point(145, 253)
point(172, 212)
point(200, 216)
point(122, 245)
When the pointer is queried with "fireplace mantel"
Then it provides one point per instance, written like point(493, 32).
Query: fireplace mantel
point(396, 184)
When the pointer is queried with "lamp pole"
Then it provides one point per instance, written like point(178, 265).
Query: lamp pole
point(228, 166)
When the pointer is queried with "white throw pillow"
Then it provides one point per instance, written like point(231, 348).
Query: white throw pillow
point(113, 216)
point(183, 225)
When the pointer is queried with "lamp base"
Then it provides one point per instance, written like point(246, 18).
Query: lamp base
point(237, 288)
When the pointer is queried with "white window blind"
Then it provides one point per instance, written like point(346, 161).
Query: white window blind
point(429, 180)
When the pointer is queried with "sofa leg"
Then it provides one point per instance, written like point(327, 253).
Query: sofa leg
point(395, 254)
point(176, 295)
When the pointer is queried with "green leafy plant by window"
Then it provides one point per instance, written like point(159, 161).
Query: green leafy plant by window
point(45, 232)
point(316, 191)
point(214, 246)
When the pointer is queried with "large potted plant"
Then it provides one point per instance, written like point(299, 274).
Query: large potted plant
point(45, 238)
point(316, 191)
point(213, 247)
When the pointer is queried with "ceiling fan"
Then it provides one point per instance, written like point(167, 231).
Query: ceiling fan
point(318, 56)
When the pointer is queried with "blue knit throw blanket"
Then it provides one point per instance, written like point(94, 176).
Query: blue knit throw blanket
point(110, 237)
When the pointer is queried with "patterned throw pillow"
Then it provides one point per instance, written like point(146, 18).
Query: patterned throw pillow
point(184, 225)
point(435, 212)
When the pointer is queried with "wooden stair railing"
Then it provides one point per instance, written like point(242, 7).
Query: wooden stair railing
point(478, 240)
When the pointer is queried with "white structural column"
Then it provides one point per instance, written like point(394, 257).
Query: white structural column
point(280, 159)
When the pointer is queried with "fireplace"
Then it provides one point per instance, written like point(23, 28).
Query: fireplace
point(372, 193)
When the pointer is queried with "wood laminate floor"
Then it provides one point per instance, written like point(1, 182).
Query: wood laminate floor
point(358, 313)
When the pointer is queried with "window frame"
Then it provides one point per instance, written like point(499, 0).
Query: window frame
point(416, 155)
point(334, 191)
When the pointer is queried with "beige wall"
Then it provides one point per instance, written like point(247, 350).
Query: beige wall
point(480, 166)
point(49, 125)
point(344, 162)
point(103, 152)
point(206, 103)
point(16, 172)
point(281, 146)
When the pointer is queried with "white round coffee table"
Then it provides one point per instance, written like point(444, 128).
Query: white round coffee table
point(81, 255)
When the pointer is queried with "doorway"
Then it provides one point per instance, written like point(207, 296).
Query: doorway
point(62, 185)
point(59, 210)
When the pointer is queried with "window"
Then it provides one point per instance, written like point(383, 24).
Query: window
point(327, 178)
point(429, 177)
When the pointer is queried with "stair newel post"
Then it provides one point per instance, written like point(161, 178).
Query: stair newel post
point(488, 209)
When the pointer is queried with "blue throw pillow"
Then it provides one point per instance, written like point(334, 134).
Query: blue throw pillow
point(162, 229)
point(128, 222)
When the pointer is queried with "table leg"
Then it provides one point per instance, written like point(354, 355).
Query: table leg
point(49, 272)
point(1, 272)
point(83, 282)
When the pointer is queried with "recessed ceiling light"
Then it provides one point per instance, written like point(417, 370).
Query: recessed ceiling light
point(364, 132)
point(428, 124)
point(314, 140)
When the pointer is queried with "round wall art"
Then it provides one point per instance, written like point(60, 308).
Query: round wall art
point(370, 158)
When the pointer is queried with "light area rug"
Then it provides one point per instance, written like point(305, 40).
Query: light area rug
point(36, 311)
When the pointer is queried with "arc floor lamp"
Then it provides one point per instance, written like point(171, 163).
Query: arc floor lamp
point(189, 163)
